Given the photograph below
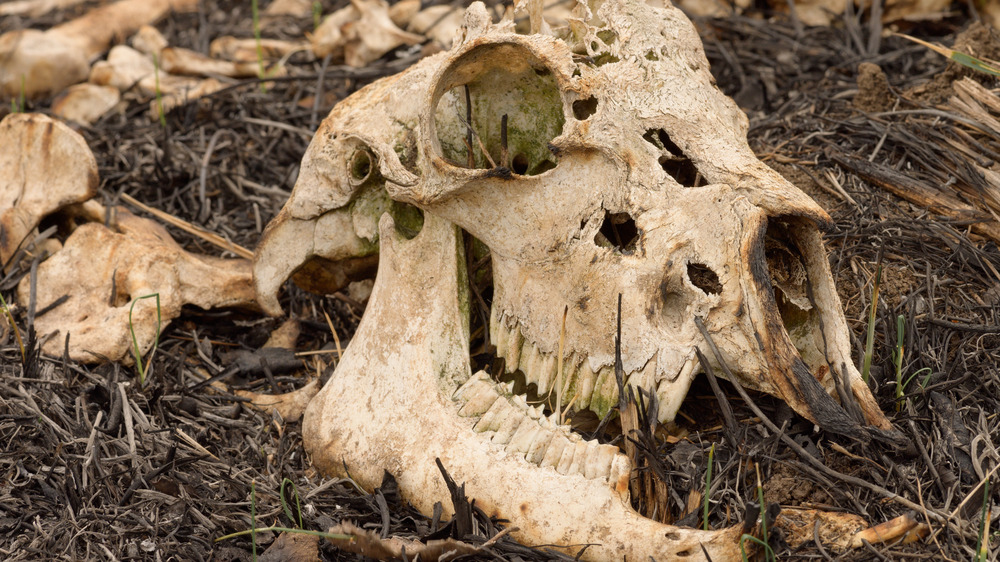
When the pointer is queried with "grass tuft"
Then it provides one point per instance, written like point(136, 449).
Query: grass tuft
point(143, 369)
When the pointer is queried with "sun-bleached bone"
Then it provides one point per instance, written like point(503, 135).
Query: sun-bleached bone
point(104, 270)
point(360, 33)
point(35, 63)
point(598, 165)
point(85, 103)
point(44, 166)
point(406, 376)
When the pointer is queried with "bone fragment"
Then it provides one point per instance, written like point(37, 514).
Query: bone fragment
point(35, 8)
point(44, 166)
point(123, 68)
point(440, 24)
point(361, 33)
point(105, 270)
point(37, 63)
point(85, 103)
point(289, 405)
point(181, 61)
point(245, 50)
point(149, 40)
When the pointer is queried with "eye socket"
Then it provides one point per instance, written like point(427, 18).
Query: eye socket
point(497, 108)
point(361, 165)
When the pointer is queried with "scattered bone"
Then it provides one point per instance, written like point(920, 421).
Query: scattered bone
point(44, 166)
point(290, 8)
point(363, 32)
point(440, 24)
point(181, 93)
point(104, 270)
point(35, 8)
point(245, 50)
point(85, 103)
point(37, 63)
point(123, 69)
point(180, 61)
point(149, 40)
point(402, 12)
point(289, 406)
point(285, 335)
point(370, 545)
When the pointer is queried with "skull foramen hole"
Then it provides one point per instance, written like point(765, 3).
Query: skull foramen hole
point(583, 109)
point(704, 278)
point(673, 160)
point(497, 101)
point(618, 231)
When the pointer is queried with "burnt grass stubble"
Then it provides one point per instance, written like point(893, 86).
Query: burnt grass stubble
point(83, 481)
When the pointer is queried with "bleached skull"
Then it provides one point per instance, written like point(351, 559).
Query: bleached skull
point(606, 163)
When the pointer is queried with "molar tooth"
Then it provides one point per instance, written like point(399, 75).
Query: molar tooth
point(670, 393)
point(599, 461)
point(584, 451)
point(570, 372)
point(605, 392)
point(515, 343)
point(494, 323)
point(546, 373)
point(619, 475)
point(569, 454)
point(586, 378)
point(508, 424)
point(478, 394)
point(525, 433)
point(539, 446)
point(554, 452)
point(492, 417)
point(531, 360)
point(501, 338)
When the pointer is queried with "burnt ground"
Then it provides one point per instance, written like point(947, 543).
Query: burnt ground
point(95, 467)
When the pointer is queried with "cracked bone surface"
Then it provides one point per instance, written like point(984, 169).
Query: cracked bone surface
point(602, 163)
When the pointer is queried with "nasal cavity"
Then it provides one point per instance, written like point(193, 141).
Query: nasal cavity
point(673, 160)
point(704, 278)
point(618, 232)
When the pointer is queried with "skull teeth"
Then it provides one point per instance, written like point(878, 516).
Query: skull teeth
point(582, 387)
point(524, 430)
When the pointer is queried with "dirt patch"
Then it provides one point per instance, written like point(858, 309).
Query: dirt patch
point(873, 89)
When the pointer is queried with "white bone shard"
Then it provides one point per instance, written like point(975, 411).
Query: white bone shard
point(606, 163)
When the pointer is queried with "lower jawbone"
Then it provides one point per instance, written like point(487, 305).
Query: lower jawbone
point(405, 396)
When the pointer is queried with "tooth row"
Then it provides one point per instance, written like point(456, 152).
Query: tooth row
point(581, 386)
point(525, 430)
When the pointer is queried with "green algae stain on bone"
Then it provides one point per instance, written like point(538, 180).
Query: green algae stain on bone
point(530, 99)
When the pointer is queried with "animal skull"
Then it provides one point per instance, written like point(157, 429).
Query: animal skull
point(603, 164)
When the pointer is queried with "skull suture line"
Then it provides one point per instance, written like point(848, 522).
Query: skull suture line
point(620, 169)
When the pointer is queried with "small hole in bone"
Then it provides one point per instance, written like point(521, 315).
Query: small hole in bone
point(684, 553)
point(651, 55)
point(583, 109)
point(519, 165)
point(704, 278)
point(409, 219)
point(608, 36)
point(673, 160)
point(672, 536)
point(619, 232)
point(361, 165)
